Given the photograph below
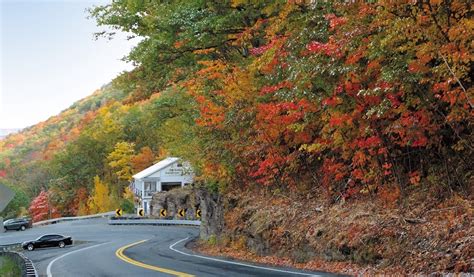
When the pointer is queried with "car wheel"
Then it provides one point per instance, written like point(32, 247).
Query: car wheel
point(23, 228)
point(30, 247)
point(61, 244)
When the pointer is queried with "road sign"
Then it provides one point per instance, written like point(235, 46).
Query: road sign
point(6, 195)
point(141, 212)
point(118, 212)
point(181, 212)
point(162, 212)
point(198, 213)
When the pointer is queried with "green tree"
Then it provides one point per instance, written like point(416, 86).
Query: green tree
point(80, 161)
point(19, 203)
point(176, 34)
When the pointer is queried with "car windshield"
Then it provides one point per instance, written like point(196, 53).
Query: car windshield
point(8, 221)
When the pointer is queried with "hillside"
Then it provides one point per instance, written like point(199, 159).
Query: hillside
point(351, 122)
point(24, 155)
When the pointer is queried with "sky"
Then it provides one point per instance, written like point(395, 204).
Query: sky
point(49, 58)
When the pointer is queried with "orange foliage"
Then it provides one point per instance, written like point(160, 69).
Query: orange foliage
point(142, 160)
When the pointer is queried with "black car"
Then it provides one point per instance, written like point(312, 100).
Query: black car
point(17, 224)
point(49, 240)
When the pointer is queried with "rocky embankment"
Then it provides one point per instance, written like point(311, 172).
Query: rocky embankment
point(360, 236)
point(192, 200)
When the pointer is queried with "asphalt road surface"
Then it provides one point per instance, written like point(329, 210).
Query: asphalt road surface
point(108, 250)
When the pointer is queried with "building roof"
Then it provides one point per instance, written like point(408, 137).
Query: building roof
point(156, 167)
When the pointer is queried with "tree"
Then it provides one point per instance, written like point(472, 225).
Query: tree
point(41, 208)
point(176, 34)
point(120, 160)
point(81, 202)
point(142, 160)
point(19, 202)
point(80, 161)
point(101, 200)
point(127, 203)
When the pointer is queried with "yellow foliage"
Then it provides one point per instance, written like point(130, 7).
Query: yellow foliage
point(128, 194)
point(101, 200)
point(83, 209)
point(121, 160)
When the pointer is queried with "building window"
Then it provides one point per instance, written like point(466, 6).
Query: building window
point(150, 186)
point(167, 186)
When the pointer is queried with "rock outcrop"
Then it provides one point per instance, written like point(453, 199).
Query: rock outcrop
point(192, 199)
point(212, 221)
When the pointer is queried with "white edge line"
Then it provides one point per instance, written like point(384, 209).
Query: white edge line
point(48, 269)
point(171, 247)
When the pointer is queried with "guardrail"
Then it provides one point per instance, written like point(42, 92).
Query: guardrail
point(10, 247)
point(124, 220)
point(29, 268)
point(71, 218)
point(154, 222)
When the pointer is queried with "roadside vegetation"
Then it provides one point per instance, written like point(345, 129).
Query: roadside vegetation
point(8, 267)
point(336, 106)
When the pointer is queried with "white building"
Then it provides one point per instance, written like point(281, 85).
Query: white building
point(163, 176)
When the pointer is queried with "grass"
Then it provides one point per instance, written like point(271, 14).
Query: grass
point(8, 267)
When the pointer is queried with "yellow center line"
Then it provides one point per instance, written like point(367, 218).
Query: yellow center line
point(119, 253)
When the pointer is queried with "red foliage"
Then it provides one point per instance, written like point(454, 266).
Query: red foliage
point(334, 171)
point(272, 89)
point(329, 110)
point(340, 120)
point(332, 101)
point(41, 209)
point(331, 48)
point(81, 198)
point(260, 50)
point(335, 21)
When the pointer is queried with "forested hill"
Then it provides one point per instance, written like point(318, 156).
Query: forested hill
point(336, 101)
point(26, 156)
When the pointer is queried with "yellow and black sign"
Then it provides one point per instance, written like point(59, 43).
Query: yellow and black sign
point(198, 213)
point(141, 212)
point(118, 212)
point(181, 212)
point(162, 212)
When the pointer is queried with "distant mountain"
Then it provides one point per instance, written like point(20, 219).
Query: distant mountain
point(6, 132)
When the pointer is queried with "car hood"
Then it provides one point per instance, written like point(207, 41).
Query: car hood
point(28, 241)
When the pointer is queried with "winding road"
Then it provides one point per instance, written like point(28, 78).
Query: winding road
point(110, 250)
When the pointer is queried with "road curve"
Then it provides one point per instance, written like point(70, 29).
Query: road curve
point(104, 250)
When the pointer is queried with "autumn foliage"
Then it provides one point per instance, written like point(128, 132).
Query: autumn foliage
point(380, 94)
point(41, 208)
point(351, 99)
